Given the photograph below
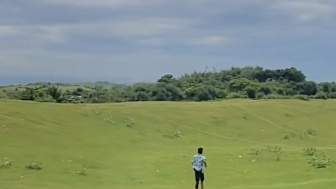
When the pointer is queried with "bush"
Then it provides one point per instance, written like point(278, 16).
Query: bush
point(332, 95)
point(321, 95)
point(311, 132)
point(280, 91)
point(310, 151)
point(82, 170)
point(130, 122)
point(234, 95)
point(302, 97)
point(80, 90)
point(265, 89)
point(46, 98)
point(34, 166)
point(275, 96)
point(251, 92)
point(5, 163)
point(276, 149)
point(255, 152)
point(260, 95)
point(270, 152)
point(177, 134)
point(321, 161)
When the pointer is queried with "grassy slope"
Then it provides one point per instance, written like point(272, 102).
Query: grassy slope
point(124, 158)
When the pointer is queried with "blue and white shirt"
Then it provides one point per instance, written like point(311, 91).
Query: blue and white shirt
point(198, 162)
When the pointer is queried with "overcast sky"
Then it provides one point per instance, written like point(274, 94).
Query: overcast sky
point(140, 40)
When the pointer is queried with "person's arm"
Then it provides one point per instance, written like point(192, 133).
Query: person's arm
point(205, 163)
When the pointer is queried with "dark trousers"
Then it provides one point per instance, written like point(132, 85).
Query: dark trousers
point(199, 176)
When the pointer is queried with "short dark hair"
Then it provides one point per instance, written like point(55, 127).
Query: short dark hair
point(200, 150)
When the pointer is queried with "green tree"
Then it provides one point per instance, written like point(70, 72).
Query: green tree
point(240, 84)
point(54, 92)
point(309, 88)
point(30, 93)
point(265, 89)
point(168, 78)
point(326, 87)
point(251, 92)
point(202, 94)
point(160, 93)
point(140, 96)
point(175, 93)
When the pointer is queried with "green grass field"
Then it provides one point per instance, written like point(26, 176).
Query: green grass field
point(133, 145)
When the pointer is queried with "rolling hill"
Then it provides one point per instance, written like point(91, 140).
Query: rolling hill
point(149, 145)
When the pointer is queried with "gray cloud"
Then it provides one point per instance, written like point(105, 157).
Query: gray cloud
point(141, 40)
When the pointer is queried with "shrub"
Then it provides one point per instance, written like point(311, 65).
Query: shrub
point(98, 112)
point(251, 92)
point(332, 95)
point(130, 122)
point(46, 98)
point(276, 149)
point(274, 96)
point(269, 152)
point(289, 92)
point(34, 166)
point(321, 95)
point(260, 95)
point(293, 134)
point(285, 97)
point(265, 89)
point(310, 151)
point(82, 170)
point(5, 163)
point(234, 95)
point(302, 97)
point(178, 134)
point(80, 90)
point(321, 161)
point(280, 91)
point(311, 132)
point(109, 120)
point(256, 152)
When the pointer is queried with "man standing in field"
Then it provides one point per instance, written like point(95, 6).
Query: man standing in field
point(199, 164)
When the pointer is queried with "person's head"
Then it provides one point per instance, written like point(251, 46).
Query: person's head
point(200, 150)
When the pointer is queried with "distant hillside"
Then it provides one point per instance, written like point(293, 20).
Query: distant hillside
point(247, 82)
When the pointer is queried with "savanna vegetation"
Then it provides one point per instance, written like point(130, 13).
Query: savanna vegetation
point(248, 144)
point(247, 82)
point(251, 144)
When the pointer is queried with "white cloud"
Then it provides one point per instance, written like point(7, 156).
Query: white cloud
point(140, 27)
point(100, 3)
point(306, 10)
point(6, 31)
point(34, 34)
point(186, 41)
point(148, 27)
point(141, 30)
point(211, 40)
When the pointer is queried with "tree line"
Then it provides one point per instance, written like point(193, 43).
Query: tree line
point(247, 82)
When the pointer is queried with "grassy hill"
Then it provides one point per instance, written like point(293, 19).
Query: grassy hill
point(150, 145)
